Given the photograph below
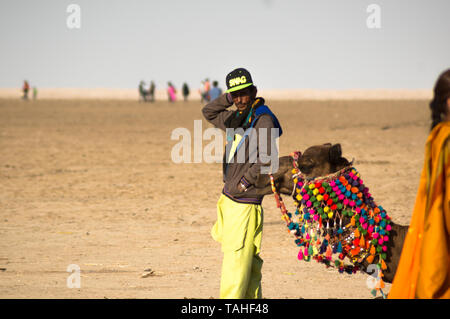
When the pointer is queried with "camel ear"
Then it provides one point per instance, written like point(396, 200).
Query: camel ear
point(335, 153)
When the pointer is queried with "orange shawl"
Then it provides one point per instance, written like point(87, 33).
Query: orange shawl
point(424, 267)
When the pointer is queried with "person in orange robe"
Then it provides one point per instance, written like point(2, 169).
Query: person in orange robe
point(424, 267)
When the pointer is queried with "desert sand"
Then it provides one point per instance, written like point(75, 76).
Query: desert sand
point(90, 182)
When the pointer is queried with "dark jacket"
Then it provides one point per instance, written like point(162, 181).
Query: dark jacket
point(246, 171)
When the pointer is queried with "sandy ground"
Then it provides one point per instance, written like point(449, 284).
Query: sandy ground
point(92, 183)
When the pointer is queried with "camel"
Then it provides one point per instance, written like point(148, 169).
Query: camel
point(322, 160)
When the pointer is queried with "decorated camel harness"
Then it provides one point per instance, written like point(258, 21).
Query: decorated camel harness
point(323, 204)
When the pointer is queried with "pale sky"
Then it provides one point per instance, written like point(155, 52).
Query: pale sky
point(284, 44)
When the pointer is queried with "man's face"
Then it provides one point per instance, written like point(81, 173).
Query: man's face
point(244, 98)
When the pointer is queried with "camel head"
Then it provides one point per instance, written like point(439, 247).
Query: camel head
point(318, 160)
point(341, 208)
point(321, 160)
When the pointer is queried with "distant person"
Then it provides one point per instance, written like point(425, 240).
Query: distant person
point(204, 92)
point(424, 267)
point(25, 89)
point(151, 91)
point(142, 95)
point(171, 92)
point(215, 92)
point(35, 92)
point(185, 91)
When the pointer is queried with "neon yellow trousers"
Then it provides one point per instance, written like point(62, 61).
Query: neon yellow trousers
point(239, 229)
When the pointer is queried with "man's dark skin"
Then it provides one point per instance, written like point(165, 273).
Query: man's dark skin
point(243, 99)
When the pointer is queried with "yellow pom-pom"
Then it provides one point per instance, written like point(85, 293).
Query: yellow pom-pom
point(295, 180)
point(326, 209)
point(311, 186)
point(299, 197)
point(330, 214)
point(315, 191)
point(319, 197)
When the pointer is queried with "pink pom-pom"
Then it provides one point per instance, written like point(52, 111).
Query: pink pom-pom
point(375, 235)
point(345, 201)
point(306, 197)
point(386, 238)
point(341, 197)
point(352, 204)
point(384, 248)
point(300, 255)
point(380, 241)
point(358, 210)
point(308, 203)
point(361, 220)
point(332, 184)
point(370, 229)
point(388, 227)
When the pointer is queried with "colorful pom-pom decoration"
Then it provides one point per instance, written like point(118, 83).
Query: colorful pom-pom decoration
point(336, 219)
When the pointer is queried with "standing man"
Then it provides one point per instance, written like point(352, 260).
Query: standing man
point(239, 212)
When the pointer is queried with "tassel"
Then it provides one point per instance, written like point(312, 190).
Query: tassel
point(362, 242)
point(339, 248)
point(315, 251)
point(329, 252)
point(355, 251)
point(300, 255)
point(310, 250)
point(352, 222)
point(370, 258)
point(356, 233)
point(383, 265)
point(372, 250)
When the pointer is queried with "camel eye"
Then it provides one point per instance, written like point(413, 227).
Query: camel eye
point(306, 165)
